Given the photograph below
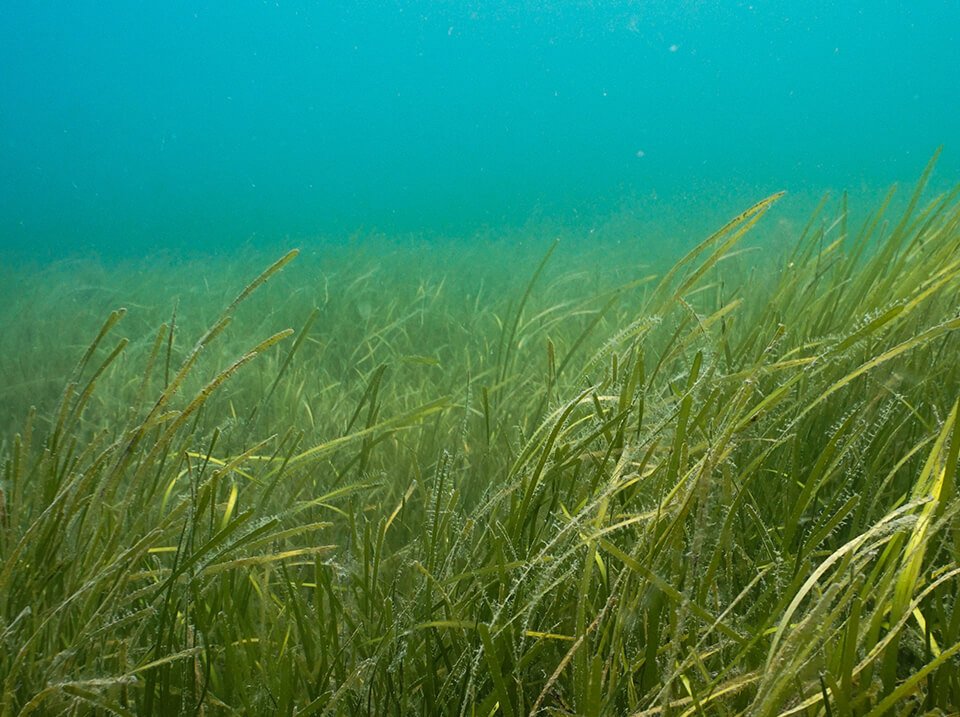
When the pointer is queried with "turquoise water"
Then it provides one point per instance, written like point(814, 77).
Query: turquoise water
point(128, 126)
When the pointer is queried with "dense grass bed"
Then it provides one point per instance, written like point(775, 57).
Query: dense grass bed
point(396, 479)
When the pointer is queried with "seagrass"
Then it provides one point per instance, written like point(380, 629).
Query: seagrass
point(393, 479)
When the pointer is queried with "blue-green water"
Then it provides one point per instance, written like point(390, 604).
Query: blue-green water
point(127, 126)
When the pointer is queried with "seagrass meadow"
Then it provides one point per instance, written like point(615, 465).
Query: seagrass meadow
point(393, 479)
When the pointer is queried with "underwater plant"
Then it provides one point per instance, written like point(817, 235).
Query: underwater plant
point(724, 488)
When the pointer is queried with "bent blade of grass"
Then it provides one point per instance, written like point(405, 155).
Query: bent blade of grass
point(753, 212)
point(80, 687)
point(107, 326)
point(181, 418)
point(262, 279)
point(88, 390)
point(930, 486)
point(880, 533)
point(225, 466)
point(877, 650)
point(909, 685)
point(256, 560)
point(911, 343)
point(404, 420)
